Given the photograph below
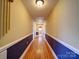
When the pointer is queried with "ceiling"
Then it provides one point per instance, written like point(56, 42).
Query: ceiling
point(36, 11)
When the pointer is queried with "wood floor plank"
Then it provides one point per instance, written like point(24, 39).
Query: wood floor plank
point(39, 50)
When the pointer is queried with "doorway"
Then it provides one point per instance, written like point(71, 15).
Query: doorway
point(39, 27)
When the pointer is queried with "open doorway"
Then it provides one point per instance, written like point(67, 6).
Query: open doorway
point(39, 27)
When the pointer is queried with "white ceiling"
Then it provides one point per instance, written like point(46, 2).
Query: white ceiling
point(36, 11)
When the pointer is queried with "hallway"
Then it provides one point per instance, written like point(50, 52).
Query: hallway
point(39, 29)
point(39, 50)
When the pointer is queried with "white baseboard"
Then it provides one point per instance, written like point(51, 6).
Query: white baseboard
point(12, 43)
point(65, 44)
point(53, 53)
point(21, 57)
point(3, 55)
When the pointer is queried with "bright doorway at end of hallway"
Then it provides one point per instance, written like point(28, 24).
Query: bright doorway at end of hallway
point(39, 29)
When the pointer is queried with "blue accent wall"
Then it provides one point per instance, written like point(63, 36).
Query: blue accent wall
point(15, 51)
point(60, 50)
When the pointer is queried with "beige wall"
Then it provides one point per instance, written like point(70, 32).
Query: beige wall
point(52, 23)
point(63, 22)
point(21, 23)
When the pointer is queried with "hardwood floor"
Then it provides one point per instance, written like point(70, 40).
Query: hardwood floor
point(39, 50)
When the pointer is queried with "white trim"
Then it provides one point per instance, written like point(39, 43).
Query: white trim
point(21, 57)
point(12, 43)
point(3, 55)
point(53, 53)
point(65, 44)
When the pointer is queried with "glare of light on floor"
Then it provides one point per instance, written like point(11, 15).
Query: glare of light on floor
point(38, 51)
point(40, 39)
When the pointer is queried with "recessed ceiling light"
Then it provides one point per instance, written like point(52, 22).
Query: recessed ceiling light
point(39, 2)
point(40, 29)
